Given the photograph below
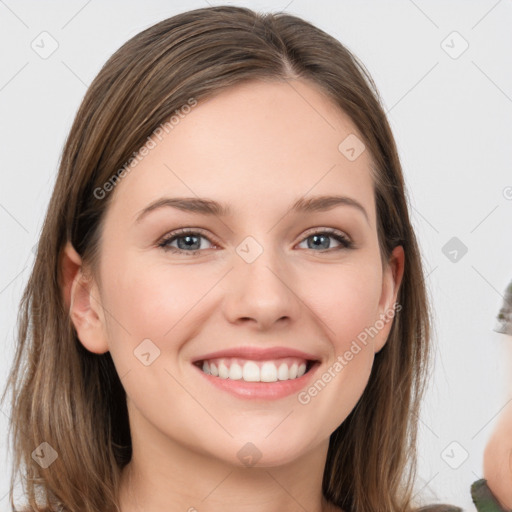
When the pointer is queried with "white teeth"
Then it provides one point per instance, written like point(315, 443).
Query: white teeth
point(255, 371)
point(223, 371)
point(235, 372)
point(282, 373)
point(251, 372)
point(268, 372)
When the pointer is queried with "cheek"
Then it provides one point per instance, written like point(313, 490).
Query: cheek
point(150, 300)
point(348, 308)
point(159, 303)
point(153, 301)
point(346, 298)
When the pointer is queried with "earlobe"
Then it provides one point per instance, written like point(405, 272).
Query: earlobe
point(85, 310)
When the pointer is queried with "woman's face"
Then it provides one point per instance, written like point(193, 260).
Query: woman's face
point(266, 270)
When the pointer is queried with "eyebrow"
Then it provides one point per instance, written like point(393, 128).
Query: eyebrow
point(210, 207)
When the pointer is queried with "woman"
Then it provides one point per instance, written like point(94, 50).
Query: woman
point(227, 308)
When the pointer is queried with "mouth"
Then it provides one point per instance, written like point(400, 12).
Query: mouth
point(258, 373)
point(256, 370)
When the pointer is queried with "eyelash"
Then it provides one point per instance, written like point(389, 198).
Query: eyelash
point(164, 243)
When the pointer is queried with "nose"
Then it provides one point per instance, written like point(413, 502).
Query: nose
point(261, 293)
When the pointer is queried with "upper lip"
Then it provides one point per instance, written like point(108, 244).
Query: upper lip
point(257, 354)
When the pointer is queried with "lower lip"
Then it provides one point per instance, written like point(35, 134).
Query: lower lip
point(261, 390)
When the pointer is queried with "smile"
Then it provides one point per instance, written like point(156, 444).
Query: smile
point(247, 370)
point(258, 373)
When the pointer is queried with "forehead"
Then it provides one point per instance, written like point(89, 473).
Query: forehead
point(255, 145)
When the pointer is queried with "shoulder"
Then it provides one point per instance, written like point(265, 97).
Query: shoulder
point(483, 498)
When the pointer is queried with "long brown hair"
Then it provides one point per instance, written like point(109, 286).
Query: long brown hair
point(72, 399)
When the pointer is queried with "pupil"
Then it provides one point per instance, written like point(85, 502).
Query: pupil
point(189, 242)
point(325, 245)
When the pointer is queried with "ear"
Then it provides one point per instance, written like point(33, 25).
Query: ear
point(391, 280)
point(82, 299)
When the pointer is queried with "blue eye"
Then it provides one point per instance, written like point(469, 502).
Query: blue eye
point(190, 241)
point(320, 240)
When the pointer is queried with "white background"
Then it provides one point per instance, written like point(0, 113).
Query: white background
point(452, 119)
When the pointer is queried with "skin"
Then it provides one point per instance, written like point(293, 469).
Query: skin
point(498, 451)
point(257, 147)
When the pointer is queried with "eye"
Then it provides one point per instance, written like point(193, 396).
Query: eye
point(187, 241)
point(320, 239)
